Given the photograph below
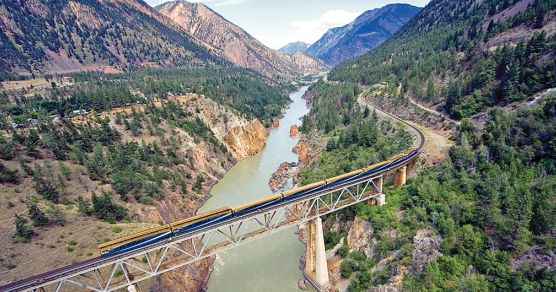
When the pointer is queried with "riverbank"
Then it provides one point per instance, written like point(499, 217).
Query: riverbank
point(272, 263)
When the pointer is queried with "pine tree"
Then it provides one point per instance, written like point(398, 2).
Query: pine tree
point(56, 214)
point(22, 230)
point(36, 214)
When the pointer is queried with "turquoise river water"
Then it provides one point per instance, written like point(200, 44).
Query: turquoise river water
point(272, 263)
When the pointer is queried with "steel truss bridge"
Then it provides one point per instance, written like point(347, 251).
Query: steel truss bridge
point(122, 271)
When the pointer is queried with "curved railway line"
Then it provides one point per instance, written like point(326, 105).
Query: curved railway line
point(237, 213)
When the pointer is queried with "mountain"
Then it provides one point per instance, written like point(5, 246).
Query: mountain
point(230, 41)
point(480, 216)
point(463, 58)
point(291, 48)
point(365, 33)
point(62, 36)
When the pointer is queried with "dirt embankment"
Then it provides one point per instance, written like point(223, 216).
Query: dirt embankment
point(436, 128)
point(405, 109)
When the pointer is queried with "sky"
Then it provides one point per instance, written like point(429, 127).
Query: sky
point(278, 22)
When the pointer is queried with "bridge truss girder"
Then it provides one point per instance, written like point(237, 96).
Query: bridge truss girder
point(177, 252)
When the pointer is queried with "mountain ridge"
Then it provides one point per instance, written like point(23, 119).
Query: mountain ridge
point(291, 48)
point(231, 42)
point(366, 32)
point(470, 57)
point(66, 36)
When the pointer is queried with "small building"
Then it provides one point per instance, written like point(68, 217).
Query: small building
point(66, 80)
point(80, 112)
point(15, 125)
point(33, 122)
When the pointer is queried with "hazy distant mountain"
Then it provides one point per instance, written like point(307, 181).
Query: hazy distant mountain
point(231, 42)
point(291, 48)
point(61, 36)
point(366, 32)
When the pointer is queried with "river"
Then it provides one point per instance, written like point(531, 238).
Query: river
point(272, 263)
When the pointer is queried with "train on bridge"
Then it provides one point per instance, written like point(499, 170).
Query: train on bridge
point(168, 231)
point(125, 247)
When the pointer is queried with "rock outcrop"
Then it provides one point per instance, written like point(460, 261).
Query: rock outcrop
point(426, 249)
point(537, 257)
point(241, 137)
point(192, 278)
point(360, 237)
point(294, 131)
point(302, 149)
point(285, 171)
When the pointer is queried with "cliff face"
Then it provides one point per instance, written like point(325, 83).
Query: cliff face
point(233, 43)
point(241, 137)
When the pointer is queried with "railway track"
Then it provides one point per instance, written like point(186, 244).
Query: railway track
point(37, 281)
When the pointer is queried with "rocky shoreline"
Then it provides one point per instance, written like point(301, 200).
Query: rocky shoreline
point(285, 173)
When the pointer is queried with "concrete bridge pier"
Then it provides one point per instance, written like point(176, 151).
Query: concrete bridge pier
point(377, 189)
point(401, 176)
point(316, 268)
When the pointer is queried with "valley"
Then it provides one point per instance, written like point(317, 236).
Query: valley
point(119, 116)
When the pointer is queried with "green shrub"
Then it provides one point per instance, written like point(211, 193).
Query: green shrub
point(117, 229)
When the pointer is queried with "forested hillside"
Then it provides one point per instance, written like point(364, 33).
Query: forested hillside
point(135, 149)
point(355, 136)
point(483, 220)
point(239, 89)
point(465, 56)
point(61, 36)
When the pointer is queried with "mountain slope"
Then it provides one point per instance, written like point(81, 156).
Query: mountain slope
point(463, 57)
point(230, 41)
point(61, 36)
point(291, 48)
point(483, 219)
point(366, 32)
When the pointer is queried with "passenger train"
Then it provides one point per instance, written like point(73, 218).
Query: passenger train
point(168, 231)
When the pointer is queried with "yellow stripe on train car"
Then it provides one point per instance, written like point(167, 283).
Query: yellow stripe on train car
point(303, 188)
point(260, 201)
point(133, 237)
point(182, 223)
point(338, 177)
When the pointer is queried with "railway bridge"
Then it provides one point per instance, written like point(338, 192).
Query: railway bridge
point(249, 222)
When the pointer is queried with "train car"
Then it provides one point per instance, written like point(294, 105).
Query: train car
point(156, 234)
point(201, 220)
point(258, 204)
point(135, 240)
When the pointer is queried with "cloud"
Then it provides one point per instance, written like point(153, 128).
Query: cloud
point(311, 30)
point(217, 3)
